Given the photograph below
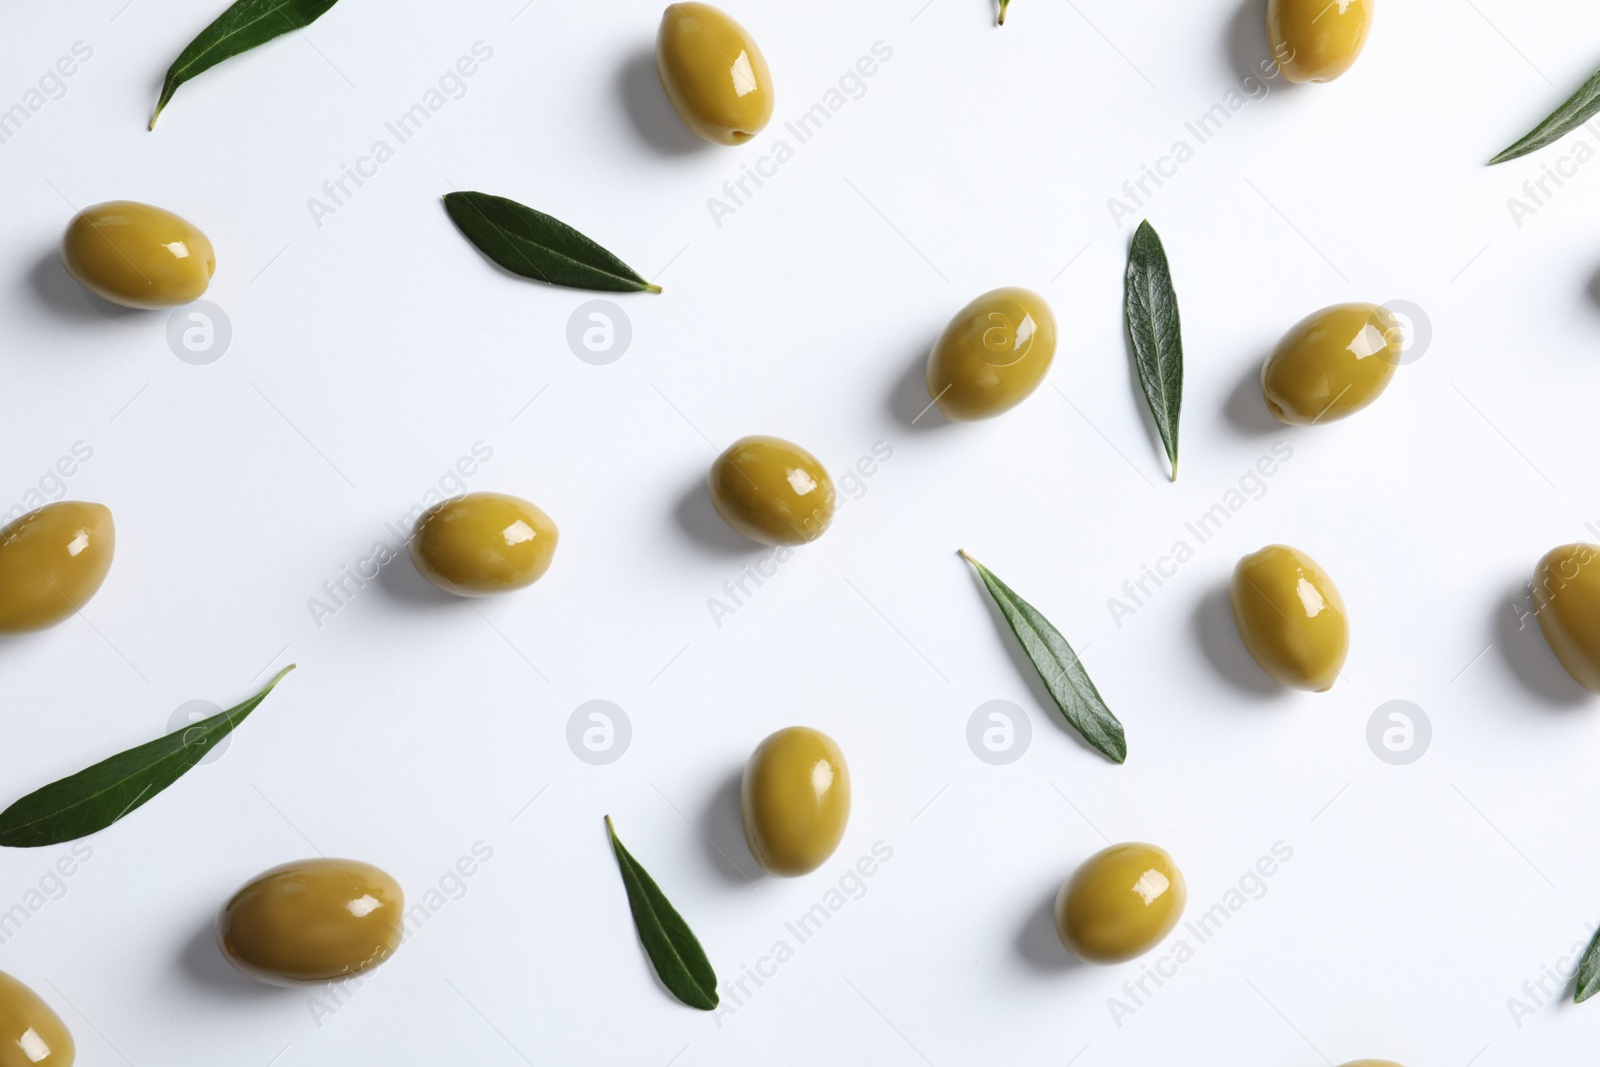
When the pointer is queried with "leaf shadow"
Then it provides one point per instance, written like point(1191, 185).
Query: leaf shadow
point(721, 826)
point(1215, 632)
point(1520, 642)
point(638, 87)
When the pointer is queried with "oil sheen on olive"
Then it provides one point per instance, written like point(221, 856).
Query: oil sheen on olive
point(483, 543)
point(795, 800)
point(772, 491)
point(1317, 40)
point(137, 255)
point(1121, 903)
point(1290, 617)
point(712, 71)
point(31, 1033)
point(1333, 363)
point(1566, 599)
point(993, 355)
point(313, 921)
point(52, 561)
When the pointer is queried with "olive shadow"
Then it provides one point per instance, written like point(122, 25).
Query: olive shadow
point(696, 517)
point(400, 580)
point(648, 108)
point(1592, 290)
point(1038, 943)
point(1520, 642)
point(1246, 409)
point(1025, 668)
point(1245, 43)
point(202, 963)
point(1218, 637)
point(909, 403)
point(721, 825)
point(63, 297)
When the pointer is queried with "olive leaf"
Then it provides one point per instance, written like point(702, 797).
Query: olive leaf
point(1063, 674)
point(243, 26)
point(98, 796)
point(673, 949)
point(1157, 334)
point(1580, 107)
point(534, 245)
point(1003, 5)
point(1588, 972)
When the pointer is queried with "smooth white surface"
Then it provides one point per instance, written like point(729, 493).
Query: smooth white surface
point(372, 352)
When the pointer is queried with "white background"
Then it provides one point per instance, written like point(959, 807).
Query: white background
point(372, 352)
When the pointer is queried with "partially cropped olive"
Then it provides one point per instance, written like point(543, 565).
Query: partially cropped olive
point(1317, 40)
point(715, 76)
point(1566, 599)
point(1290, 617)
point(1120, 903)
point(51, 562)
point(772, 491)
point(993, 355)
point(313, 921)
point(137, 255)
point(1332, 363)
point(483, 543)
point(795, 800)
point(31, 1033)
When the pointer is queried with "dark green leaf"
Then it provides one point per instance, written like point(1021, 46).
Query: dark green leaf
point(242, 27)
point(1579, 109)
point(1063, 675)
point(534, 245)
point(93, 799)
point(673, 949)
point(1157, 335)
point(1588, 972)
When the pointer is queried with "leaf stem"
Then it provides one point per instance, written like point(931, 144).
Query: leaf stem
point(1003, 5)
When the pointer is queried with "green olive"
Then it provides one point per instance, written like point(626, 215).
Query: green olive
point(31, 1034)
point(1317, 40)
point(1120, 903)
point(483, 543)
point(51, 562)
point(313, 921)
point(795, 800)
point(1290, 617)
point(772, 491)
point(1566, 598)
point(1332, 363)
point(993, 355)
point(715, 76)
point(137, 255)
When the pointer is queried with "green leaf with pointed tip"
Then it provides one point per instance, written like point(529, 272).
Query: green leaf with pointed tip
point(1003, 5)
point(535, 245)
point(1580, 107)
point(673, 949)
point(243, 26)
point(1588, 972)
point(98, 796)
point(1058, 666)
point(1157, 334)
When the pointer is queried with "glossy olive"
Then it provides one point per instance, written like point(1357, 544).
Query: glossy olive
point(1291, 617)
point(1317, 40)
point(993, 355)
point(1566, 599)
point(795, 800)
point(313, 921)
point(1332, 363)
point(51, 562)
point(1120, 903)
point(483, 543)
point(137, 255)
point(31, 1033)
point(712, 71)
point(772, 491)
